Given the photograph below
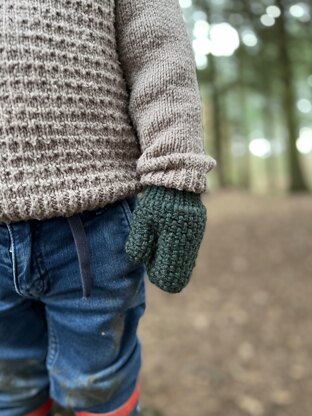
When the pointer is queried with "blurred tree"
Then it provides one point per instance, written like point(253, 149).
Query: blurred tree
point(211, 76)
point(297, 182)
point(261, 79)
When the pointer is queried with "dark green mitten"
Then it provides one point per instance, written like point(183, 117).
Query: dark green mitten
point(166, 231)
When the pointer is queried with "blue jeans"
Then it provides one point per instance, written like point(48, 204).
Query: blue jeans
point(69, 313)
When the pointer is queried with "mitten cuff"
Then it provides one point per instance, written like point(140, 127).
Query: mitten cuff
point(169, 200)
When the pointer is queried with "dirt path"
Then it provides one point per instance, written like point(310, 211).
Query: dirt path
point(238, 340)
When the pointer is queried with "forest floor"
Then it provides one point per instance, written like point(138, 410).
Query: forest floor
point(238, 340)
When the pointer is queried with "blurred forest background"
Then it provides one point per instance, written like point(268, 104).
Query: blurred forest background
point(238, 340)
point(254, 61)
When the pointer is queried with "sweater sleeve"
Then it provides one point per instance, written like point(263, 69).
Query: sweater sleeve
point(159, 67)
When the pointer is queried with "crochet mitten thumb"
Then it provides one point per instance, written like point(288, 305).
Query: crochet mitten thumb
point(167, 228)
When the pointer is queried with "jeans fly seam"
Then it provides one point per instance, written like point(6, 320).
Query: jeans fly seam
point(39, 261)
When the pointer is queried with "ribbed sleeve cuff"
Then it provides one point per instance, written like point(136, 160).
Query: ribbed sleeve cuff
point(185, 178)
point(183, 171)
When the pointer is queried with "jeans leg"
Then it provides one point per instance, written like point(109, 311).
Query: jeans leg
point(97, 359)
point(24, 384)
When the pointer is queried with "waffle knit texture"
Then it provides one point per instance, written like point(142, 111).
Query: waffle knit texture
point(166, 232)
point(98, 98)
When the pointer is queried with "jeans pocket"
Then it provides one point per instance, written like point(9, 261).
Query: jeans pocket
point(128, 204)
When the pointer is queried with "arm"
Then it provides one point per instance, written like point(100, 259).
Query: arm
point(165, 106)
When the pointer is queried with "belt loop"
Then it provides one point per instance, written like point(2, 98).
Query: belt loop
point(82, 248)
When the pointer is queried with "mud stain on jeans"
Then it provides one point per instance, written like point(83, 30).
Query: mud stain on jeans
point(19, 373)
point(90, 391)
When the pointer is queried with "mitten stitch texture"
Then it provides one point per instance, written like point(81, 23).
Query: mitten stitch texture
point(166, 231)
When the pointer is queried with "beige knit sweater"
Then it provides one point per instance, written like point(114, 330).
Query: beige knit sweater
point(98, 98)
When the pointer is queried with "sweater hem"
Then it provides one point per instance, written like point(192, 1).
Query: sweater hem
point(66, 202)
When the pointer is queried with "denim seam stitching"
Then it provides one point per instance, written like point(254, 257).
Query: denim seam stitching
point(53, 344)
point(126, 210)
point(39, 260)
point(13, 259)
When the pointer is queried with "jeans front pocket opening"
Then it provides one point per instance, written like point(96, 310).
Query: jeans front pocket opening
point(127, 210)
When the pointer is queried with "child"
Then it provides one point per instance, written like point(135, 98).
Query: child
point(99, 102)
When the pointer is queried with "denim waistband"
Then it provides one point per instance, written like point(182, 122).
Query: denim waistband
point(83, 253)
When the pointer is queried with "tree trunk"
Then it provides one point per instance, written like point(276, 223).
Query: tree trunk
point(297, 182)
point(216, 110)
point(268, 129)
point(244, 125)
